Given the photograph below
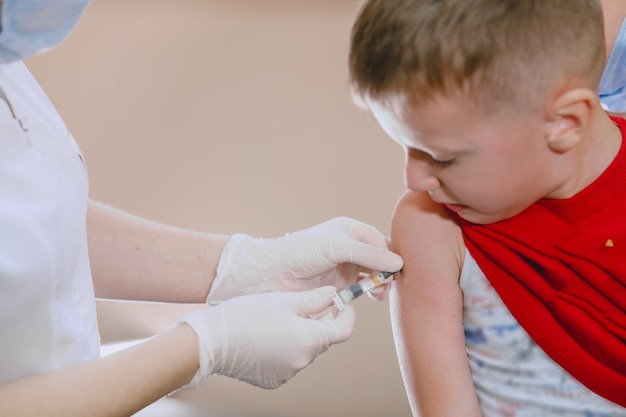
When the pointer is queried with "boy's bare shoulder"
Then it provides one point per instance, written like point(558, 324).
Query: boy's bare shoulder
point(423, 229)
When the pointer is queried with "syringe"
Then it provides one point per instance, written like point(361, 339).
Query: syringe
point(365, 283)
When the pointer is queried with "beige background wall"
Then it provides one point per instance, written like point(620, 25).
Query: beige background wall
point(234, 116)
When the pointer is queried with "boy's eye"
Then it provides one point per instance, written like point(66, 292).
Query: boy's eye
point(423, 156)
point(441, 164)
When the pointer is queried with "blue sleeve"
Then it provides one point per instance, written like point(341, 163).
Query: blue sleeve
point(612, 86)
point(30, 27)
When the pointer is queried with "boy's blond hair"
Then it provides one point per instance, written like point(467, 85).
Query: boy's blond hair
point(495, 52)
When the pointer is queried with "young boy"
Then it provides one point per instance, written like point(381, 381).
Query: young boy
point(512, 297)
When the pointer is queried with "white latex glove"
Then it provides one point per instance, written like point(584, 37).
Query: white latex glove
point(331, 253)
point(265, 339)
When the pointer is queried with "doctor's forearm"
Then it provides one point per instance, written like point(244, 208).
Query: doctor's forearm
point(136, 259)
point(116, 385)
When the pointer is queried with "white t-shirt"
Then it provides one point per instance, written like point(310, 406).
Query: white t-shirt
point(513, 376)
point(47, 303)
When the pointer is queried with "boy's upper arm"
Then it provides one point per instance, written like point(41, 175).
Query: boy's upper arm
point(427, 309)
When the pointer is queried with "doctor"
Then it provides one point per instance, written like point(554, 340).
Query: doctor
point(59, 251)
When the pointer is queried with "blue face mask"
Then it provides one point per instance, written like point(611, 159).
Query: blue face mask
point(613, 83)
point(29, 27)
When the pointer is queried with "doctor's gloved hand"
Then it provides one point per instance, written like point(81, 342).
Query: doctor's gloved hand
point(330, 253)
point(265, 339)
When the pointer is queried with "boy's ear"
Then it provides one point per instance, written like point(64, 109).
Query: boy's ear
point(569, 115)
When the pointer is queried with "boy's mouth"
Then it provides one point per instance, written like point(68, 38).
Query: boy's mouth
point(457, 208)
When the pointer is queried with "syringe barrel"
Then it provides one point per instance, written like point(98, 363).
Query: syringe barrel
point(366, 283)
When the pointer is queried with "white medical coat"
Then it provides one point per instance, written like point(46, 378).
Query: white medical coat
point(47, 303)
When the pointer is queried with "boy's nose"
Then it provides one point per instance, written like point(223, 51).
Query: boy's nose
point(418, 176)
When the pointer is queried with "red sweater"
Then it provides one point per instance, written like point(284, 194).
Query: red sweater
point(560, 267)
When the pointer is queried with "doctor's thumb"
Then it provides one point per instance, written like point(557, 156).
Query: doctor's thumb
point(315, 301)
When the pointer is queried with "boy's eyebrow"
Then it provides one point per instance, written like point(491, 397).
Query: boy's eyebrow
point(435, 149)
point(439, 155)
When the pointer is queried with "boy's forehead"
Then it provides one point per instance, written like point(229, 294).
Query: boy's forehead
point(412, 127)
point(391, 114)
point(400, 116)
point(440, 126)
